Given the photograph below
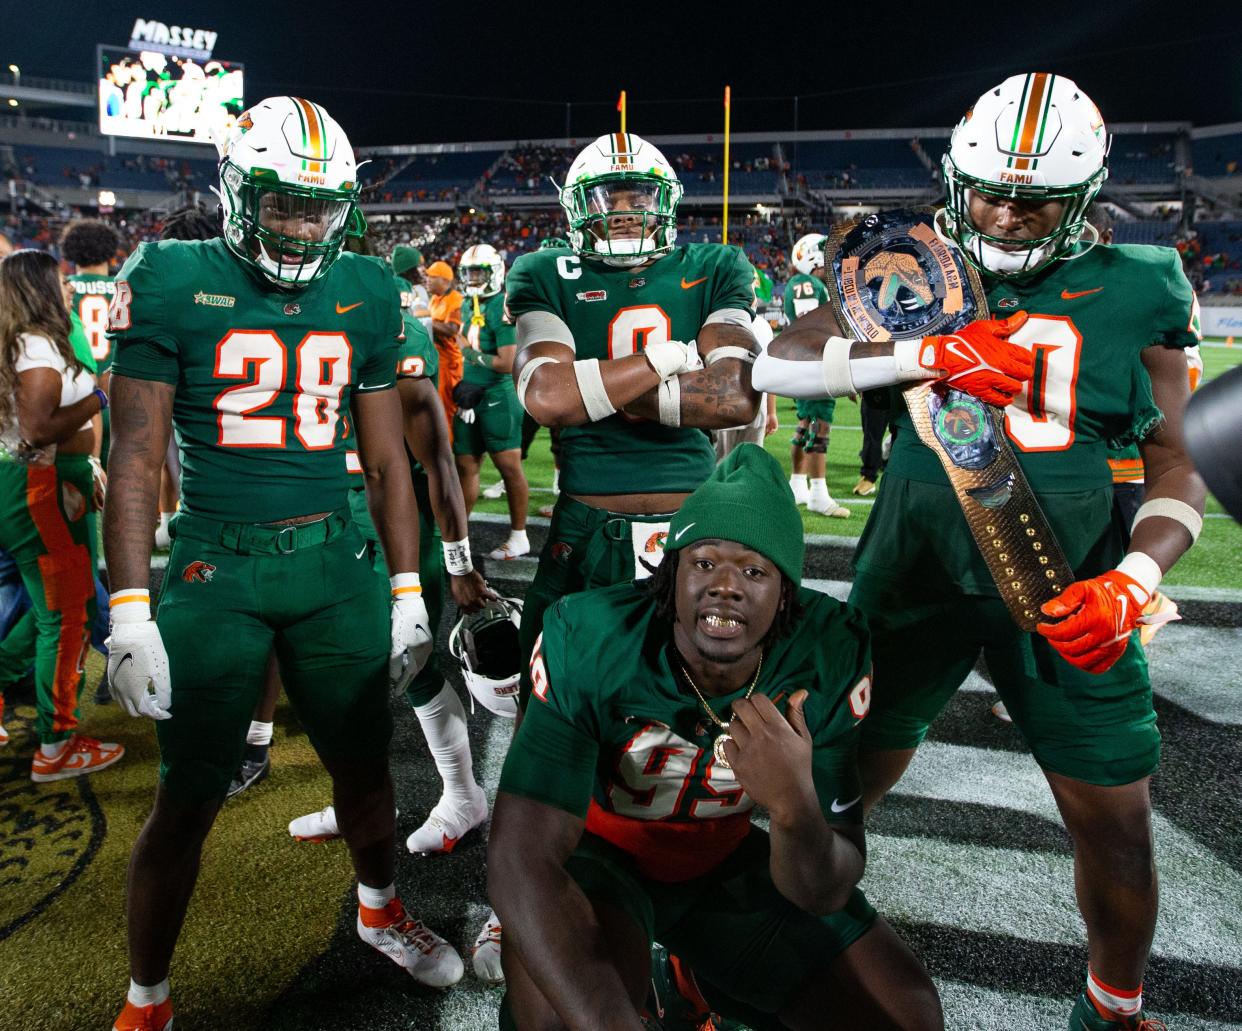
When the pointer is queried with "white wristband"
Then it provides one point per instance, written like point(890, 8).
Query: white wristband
point(729, 351)
point(1173, 509)
point(838, 379)
point(668, 394)
point(591, 386)
point(1142, 567)
point(457, 557)
point(404, 585)
point(130, 605)
point(528, 370)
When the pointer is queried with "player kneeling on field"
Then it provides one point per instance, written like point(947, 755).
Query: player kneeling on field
point(669, 711)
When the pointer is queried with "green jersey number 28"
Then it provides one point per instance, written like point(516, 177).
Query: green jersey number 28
point(259, 357)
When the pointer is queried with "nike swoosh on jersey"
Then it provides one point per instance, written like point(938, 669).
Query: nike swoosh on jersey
point(837, 807)
point(687, 286)
point(677, 535)
point(362, 552)
point(341, 309)
point(1068, 295)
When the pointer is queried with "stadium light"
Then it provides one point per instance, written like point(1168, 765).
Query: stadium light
point(12, 102)
point(17, 74)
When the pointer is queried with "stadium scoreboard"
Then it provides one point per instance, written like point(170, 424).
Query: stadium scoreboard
point(166, 85)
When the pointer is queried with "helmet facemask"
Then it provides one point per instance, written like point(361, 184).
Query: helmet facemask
point(1005, 256)
point(622, 218)
point(291, 234)
point(480, 280)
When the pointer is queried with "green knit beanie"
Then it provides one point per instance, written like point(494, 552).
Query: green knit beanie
point(405, 258)
point(746, 500)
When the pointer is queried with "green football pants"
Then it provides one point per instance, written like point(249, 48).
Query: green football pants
point(232, 592)
point(424, 687)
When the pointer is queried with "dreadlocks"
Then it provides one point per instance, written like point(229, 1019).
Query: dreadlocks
point(191, 222)
point(663, 588)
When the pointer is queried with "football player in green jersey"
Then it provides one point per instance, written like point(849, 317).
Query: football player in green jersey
point(90, 245)
point(489, 418)
point(1106, 328)
point(669, 711)
point(601, 353)
point(263, 349)
point(463, 805)
point(808, 450)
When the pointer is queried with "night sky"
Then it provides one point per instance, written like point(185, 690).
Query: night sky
point(420, 72)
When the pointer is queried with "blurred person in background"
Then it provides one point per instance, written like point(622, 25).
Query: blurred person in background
point(48, 496)
point(489, 418)
point(407, 264)
point(445, 307)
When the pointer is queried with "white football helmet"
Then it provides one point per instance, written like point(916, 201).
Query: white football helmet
point(485, 644)
point(621, 197)
point(289, 190)
point(808, 253)
point(1034, 137)
point(481, 271)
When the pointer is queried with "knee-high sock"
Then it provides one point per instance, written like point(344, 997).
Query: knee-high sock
point(443, 720)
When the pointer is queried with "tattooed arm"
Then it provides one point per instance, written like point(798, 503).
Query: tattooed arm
point(715, 397)
point(141, 425)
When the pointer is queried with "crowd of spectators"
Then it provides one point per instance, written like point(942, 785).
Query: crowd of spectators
point(527, 170)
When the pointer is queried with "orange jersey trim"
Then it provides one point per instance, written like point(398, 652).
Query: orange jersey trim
point(670, 851)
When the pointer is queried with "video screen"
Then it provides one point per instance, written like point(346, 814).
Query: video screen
point(149, 95)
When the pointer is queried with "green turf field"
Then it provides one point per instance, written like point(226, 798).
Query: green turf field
point(1211, 563)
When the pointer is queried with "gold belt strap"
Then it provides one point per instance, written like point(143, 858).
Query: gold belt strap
point(1004, 517)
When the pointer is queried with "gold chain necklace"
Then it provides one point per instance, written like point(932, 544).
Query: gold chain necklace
point(718, 745)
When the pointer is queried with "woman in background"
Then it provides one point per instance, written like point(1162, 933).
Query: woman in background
point(48, 402)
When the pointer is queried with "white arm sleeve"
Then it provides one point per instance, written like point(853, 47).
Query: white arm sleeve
point(536, 326)
point(837, 374)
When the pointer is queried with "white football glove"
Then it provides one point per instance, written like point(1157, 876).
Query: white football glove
point(466, 415)
point(411, 640)
point(138, 669)
point(672, 357)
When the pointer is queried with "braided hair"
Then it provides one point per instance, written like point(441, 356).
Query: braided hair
point(191, 222)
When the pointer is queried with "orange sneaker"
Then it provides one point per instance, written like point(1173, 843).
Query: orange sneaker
point(157, 1017)
point(81, 755)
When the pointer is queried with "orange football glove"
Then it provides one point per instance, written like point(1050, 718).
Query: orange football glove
point(1096, 619)
point(979, 359)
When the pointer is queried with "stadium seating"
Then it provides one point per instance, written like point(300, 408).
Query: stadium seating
point(1217, 155)
point(60, 166)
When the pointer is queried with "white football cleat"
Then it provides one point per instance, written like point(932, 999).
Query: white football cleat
point(409, 943)
point(496, 490)
point(485, 956)
point(513, 547)
point(1001, 712)
point(449, 822)
point(320, 826)
point(824, 505)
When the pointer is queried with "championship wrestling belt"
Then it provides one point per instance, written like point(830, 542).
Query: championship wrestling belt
point(894, 278)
